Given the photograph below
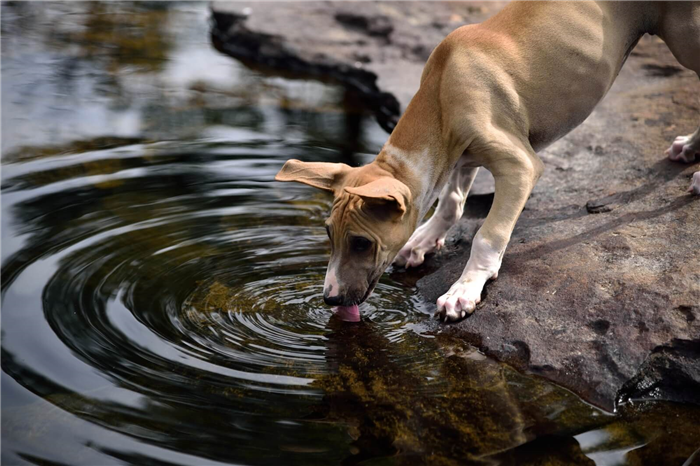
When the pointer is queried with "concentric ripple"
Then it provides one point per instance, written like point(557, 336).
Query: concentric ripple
point(183, 275)
point(167, 298)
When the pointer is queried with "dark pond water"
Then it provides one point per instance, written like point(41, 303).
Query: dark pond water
point(161, 296)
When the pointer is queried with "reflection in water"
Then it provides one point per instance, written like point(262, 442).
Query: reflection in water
point(421, 399)
point(161, 297)
point(81, 76)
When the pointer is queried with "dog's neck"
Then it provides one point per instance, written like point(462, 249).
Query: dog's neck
point(420, 152)
point(416, 169)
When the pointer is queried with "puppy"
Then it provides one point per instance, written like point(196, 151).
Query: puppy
point(491, 95)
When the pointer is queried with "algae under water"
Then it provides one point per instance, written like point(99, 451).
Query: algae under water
point(162, 297)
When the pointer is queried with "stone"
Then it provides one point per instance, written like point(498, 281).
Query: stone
point(670, 372)
point(375, 26)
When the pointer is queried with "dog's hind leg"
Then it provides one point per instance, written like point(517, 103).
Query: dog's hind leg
point(680, 29)
point(515, 171)
point(430, 236)
point(687, 149)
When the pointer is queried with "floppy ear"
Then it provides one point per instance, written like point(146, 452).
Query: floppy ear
point(320, 175)
point(384, 189)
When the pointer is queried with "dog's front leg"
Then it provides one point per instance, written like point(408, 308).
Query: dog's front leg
point(430, 236)
point(515, 171)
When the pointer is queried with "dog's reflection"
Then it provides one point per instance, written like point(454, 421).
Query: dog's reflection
point(421, 399)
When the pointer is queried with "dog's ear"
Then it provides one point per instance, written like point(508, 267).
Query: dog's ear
point(320, 175)
point(384, 190)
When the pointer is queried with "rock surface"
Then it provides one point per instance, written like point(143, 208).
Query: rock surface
point(604, 263)
point(377, 51)
point(387, 40)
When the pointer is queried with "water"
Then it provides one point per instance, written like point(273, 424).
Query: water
point(162, 297)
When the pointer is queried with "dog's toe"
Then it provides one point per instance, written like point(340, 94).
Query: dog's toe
point(682, 151)
point(459, 301)
point(399, 260)
point(427, 239)
point(695, 184)
point(417, 257)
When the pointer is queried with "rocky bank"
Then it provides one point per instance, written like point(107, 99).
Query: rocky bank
point(600, 287)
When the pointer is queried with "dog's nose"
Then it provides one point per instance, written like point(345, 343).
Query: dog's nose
point(333, 300)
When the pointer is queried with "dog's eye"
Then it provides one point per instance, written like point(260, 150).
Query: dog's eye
point(360, 244)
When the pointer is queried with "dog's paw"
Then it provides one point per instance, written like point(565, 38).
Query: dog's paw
point(695, 184)
point(427, 239)
point(460, 300)
point(682, 151)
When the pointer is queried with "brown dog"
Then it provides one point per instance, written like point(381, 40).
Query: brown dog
point(491, 95)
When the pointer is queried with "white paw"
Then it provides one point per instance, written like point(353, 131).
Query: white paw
point(427, 239)
point(681, 151)
point(460, 300)
point(695, 185)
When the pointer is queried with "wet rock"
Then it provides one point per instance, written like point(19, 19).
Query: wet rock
point(660, 433)
point(377, 54)
point(479, 413)
point(671, 372)
point(335, 30)
point(270, 49)
point(585, 298)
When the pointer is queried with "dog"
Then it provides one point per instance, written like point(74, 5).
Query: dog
point(491, 95)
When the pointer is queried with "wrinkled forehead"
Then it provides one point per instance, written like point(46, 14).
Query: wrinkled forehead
point(347, 210)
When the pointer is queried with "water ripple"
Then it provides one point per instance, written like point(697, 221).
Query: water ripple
point(175, 301)
point(185, 276)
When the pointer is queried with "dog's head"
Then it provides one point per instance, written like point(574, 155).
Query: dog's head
point(371, 219)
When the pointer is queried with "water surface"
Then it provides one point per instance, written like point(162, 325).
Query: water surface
point(162, 296)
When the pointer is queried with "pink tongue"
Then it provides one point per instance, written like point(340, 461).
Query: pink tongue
point(348, 313)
